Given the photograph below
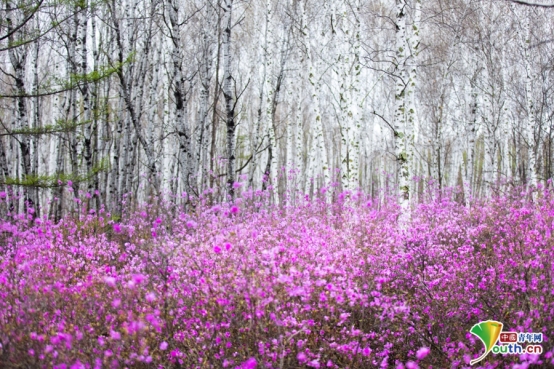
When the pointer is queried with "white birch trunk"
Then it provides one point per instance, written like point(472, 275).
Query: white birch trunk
point(411, 111)
point(203, 138)
point(471, 132)
point(529, 128)
point(318, 155)
point(401, 134)
point(264, 63)
point(179, 93)
point(228, 96)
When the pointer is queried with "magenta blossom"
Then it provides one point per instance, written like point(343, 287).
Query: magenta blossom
point(422, 353)
point(249, 364)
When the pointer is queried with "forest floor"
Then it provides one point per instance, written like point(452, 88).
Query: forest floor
point(253, 285)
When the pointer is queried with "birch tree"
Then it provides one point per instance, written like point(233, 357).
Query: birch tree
point(402, 133)
point(317, 153)
point(230, 102)
point(182, 127)
point(529, 130)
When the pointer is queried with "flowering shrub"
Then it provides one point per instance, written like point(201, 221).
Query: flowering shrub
point(249, 285)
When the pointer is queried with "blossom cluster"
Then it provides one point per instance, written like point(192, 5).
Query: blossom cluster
point(253, 285)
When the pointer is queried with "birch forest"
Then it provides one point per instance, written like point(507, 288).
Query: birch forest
point(137, 97)
point(277, 184)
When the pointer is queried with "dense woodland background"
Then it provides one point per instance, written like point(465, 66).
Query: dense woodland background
point(116, 97)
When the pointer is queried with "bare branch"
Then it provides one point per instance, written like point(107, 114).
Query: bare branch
point(532, 3)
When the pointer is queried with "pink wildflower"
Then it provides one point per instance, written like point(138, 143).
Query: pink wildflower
point(115, 335)
point(110, 281)
point(249, 364)
point(422, 353)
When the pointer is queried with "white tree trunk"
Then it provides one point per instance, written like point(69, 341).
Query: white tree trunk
point(228, 95)
point(179, 93)
point(411, 109)
point(529, 128)
point(317, 156)
point(402, 133)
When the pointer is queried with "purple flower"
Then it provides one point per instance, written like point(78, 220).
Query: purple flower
point(249, 364)
point(422, 353)
point(217, 249)
point(115, 335)
point(314, 364)
point(138, 278)
point(110, 281)
point(163, 346)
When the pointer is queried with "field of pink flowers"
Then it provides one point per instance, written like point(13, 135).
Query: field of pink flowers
point(251, 285)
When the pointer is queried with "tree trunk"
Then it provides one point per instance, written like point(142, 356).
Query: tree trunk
point(401, 129)
point(230, 102)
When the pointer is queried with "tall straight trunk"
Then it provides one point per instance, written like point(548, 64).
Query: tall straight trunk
point(411, 109)
point(36, 124)
point(145, 140)
point(57, 208)
point(271, 166)
point(299, 127)
point(342, 40)
point(229, 98)
point(152, 110)
point(350, 97)
point(271, 163)
point(472, 123)
point(401, 130)
point(181, 125)
point(489, 165)
point(56, 151)
point(318, 153)
point(356, 101)
point(73, 106)
point(290, 144)
point(18, 59)
point(265, 62)
point(4, 169)
point(82, 68)
point(125, 157)
point(95, 134)
point(203, 138)
point(217, 91)
point(529, 130)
